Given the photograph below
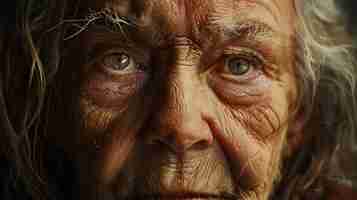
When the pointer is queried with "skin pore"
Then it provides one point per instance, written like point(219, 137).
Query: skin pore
point(184, 99)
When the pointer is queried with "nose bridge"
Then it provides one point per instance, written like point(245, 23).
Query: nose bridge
point(183, 86)
point(180, 123)
point(182, 95)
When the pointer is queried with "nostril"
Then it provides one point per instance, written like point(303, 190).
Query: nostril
point(157, 141)
point(201, 145)
point(183, 135)
point(166, 142)
point(171, 143)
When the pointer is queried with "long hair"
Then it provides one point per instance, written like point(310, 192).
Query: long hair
point(31, 90)
point(326, 74)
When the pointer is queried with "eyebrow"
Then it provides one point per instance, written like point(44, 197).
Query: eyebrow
point(248, 29)
point(250, 33)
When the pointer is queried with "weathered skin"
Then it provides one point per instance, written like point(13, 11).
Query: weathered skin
point(181, 125)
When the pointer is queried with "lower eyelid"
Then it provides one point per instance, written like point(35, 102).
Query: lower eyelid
point(120, 74)
point(243, 79)
point(234, 92)
point(107, 92)
point(123, 72)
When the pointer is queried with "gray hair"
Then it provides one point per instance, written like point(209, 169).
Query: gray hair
point(326, 75)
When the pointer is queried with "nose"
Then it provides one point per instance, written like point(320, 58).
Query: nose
point(179, 123)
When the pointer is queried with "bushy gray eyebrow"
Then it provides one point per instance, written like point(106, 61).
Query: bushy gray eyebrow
point(250, 29)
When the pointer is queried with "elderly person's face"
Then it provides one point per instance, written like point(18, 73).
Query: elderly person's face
point(189, 101)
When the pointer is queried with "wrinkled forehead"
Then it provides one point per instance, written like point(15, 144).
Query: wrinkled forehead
point(191, 16)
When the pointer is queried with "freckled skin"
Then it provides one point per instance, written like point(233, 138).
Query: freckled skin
point(180, 132)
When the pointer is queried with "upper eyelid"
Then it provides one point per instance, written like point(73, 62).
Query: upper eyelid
point(268, 57)
point(242, 51)
point(251, 59)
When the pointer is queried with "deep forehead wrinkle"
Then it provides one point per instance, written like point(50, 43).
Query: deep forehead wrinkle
point(184, 15)
point(181, 15)
point(200, 20)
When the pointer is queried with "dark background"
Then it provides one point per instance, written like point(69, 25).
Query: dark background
point(350, 7)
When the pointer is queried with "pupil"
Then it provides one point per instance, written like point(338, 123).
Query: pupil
point(123, 61)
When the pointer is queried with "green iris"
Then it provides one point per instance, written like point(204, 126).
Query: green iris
point(238, 66)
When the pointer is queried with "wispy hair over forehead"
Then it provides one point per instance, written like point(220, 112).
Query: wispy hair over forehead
point(105, 17)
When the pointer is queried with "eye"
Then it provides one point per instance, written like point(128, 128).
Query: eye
point(120, 63)
point(243, 66)
point(237, 66)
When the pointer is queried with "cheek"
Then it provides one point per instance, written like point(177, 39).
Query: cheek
point(238, 94)
point(111, 115)
point(103, 131)
point(104, 98)
point(100, 116)
point(252, 137)
point(96, 119)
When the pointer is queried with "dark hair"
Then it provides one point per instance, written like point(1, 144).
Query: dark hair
point(35, 97)
point(30, 59)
